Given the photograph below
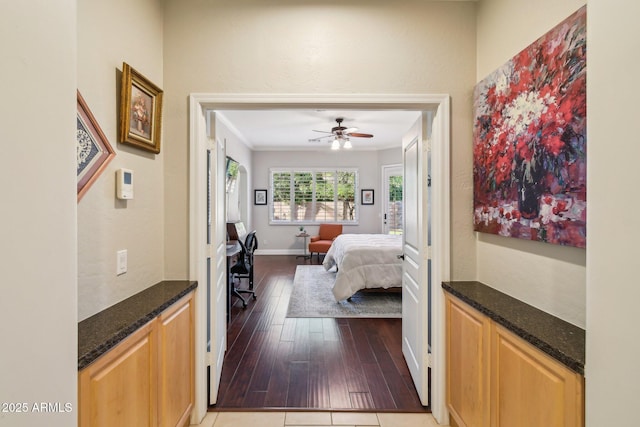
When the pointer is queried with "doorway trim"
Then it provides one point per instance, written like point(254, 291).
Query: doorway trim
point(201, 103)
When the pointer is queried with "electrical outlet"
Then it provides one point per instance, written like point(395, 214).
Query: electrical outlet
point(121, 262)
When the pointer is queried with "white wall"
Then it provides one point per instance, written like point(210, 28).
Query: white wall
point(280, 239)
point(237, 149)
point(110, 33)
point(378, 47)
point(38, 308)
point(549, 277)
point(389, 156)
point(613, 349)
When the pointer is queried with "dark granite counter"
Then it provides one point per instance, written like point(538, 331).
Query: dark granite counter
point(555, 337)
point(103, 331)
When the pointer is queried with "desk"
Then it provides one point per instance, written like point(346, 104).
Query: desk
point(233, 250)
point(306, 255)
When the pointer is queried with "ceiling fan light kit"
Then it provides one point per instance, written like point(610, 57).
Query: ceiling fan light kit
point(339, 143)
point(341, 135)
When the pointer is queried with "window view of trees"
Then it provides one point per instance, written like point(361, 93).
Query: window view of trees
point(394, 216)
point(314, 196)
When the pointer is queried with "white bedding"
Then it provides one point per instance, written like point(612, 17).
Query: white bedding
point(364, 261)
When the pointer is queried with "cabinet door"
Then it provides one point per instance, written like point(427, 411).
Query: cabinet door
point(468, 346)
point(529, 388)
point(119, 389)
point(176, 364)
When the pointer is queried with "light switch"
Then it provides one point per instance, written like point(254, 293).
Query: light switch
point(121, 262)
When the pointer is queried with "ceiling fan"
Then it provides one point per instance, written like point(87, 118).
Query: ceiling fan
point(341, 135)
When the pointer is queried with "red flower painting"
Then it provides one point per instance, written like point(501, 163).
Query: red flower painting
point(529, 141)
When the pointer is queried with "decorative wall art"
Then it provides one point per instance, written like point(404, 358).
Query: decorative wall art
point(259, 197)
point(529, 141)
point(140, 111)
point(92, 148)
point(366, 197)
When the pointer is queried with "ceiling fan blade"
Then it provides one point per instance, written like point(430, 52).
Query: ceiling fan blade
point(317, 139)
point(322, 131)
point(350, 130)
point(360, 135)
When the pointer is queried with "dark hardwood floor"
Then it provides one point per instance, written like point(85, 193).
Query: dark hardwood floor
point(275, 362)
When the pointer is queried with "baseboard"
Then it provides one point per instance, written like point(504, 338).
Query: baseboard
point(279, 252)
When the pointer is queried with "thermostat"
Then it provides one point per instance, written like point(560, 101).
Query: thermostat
point(124, 184)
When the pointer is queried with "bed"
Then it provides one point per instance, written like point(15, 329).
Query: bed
point(364, 261)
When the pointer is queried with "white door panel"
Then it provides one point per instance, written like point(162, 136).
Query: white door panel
point(415, 301)
point(217, 278)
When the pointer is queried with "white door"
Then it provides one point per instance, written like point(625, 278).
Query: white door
point(392, 202)
point(216, 262)
point(415, 296)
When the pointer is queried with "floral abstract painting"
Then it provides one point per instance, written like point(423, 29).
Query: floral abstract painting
point(529, 136)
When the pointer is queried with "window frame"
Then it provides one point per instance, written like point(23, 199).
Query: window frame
point(314, 172)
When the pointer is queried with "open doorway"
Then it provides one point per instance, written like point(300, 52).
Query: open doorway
point(201, 105)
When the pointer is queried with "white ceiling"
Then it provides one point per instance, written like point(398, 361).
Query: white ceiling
point(292, 129)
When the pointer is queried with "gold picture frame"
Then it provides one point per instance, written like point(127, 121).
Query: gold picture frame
point(93, 150)
point(140, 111)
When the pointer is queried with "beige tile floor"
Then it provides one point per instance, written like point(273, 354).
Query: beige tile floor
point(316, 419)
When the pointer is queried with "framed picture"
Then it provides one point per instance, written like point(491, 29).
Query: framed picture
point(140, 111)
point(366, 197)
point(260, 197)
point(92, 148)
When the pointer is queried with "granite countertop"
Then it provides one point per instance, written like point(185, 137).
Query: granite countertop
point(557, 338)
point(102, 331)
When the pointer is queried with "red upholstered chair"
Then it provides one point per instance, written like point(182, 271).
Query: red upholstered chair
point(321, 243)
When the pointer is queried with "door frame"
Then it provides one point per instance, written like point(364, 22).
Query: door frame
point(200, 103)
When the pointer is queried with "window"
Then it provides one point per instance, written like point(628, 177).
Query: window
point(313, 196)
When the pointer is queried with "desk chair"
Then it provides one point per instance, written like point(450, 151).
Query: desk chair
point(244, 267)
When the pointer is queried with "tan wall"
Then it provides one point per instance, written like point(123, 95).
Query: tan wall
point(343, 47)
point(38, 320)
point(613, 350)
point(110, 32)
point(549, 277)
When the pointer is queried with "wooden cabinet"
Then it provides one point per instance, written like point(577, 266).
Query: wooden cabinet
point(119, 389)
point(495, 378)
point(468, 365)
point(176, 364)
point(530, 388)
point(145, 380)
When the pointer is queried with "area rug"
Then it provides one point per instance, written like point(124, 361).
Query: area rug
point(312, 297)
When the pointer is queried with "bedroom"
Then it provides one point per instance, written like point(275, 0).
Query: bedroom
point(368, 164)
point(266, 142)
point(258, 152)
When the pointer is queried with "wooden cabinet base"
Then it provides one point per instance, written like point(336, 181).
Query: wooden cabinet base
point(467, 344)
point(119, 389)
point(531, 389)
point(496, 379)
point(176, 364)
point(147, 380)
